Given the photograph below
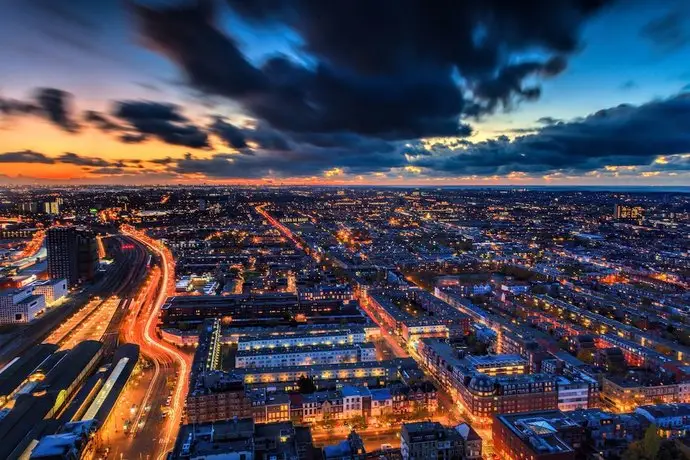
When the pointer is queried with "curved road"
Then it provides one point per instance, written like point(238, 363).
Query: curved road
point(163, 355)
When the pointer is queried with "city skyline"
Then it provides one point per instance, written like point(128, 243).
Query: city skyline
point(202, 92)
point(344, 323)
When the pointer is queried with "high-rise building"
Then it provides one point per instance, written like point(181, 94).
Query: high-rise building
point(87, 258)
point(61, 243)
point(625, 212)
point(29, 207)
point(72, 254)
point(51, 207)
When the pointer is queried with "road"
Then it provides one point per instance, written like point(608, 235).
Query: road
point(448, 413)
point(167, 361)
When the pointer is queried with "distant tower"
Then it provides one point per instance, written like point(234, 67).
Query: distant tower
point(51, 207)
point(623, 212)
point(87, 258)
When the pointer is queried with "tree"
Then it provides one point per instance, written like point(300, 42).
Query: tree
point(419, 411)
point(645, 449)
point(651, 442)
point(586, 356)
point(306, 384)
point(670, 450)
point(328, 422)
point(358, 422)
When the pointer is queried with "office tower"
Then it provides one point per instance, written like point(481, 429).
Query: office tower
point(87, 259)
point(72, 254)
point(61, 243)
point(51, 207)
point(30, 207)
point(625, 212)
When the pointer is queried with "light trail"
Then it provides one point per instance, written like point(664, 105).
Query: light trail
point(156, 345)
point(33, 246)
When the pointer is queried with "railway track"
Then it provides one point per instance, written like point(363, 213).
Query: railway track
point(127, 275)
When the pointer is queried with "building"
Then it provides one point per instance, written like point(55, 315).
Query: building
point(29, 207)
point(51, 208)
point(608, 435)
point(21, 371)
point(420, 397)
point(381, 402)
point(269, 407)
point(243, 439)
point(432, 318)
point(254, 308)
point(351, 448)
point(20, 305)
point(672, 420)
point(213, 394)
point(574, 394)
point(326, 292)
point(493, 365)
point(285, 339)
point(344, 404)
point(548, 435)
point(426, 440)
point(328, 374)
point(628, 392)
point(65, 372)
point(75, 440)
point(305, 356)
point(482, 396)
point(72, 254)
point(217, 396)
point(625, 212)
point(53, 290)
point(87, 257)
point(472, 442)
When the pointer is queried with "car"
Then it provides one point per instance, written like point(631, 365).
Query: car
point(386, 446)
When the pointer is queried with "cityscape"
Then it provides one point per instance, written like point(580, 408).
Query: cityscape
point(343, 323)
point(345, 230)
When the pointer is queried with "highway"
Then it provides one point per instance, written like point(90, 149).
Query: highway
point(168, 362)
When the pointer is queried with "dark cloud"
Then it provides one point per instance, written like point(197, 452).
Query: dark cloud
point(549, 120)
point(306, 161)
point(670, 31)
point(52, 103)
point(161, 120)
point(101, 121)
point(628, 85)
point(25, 156)
point(229, 133)
point(17, 107)
point(625, 135)
point(56, 105)
point(29, 156)
point(268, 138)
point(110, 170)
point(508, 84)
point(163, 161)
point(73, 158)
point(394, 69)
point(129, 138)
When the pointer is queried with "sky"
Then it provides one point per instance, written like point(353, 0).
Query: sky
point(559, 92)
